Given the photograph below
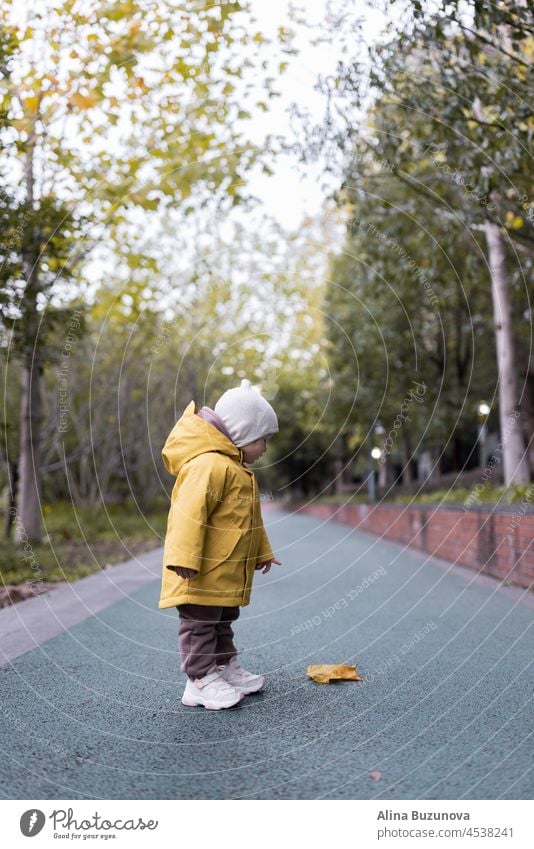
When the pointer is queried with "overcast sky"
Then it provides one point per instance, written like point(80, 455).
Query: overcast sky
point(295, 189)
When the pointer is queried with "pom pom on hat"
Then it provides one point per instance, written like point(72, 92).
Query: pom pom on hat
point(246, 414)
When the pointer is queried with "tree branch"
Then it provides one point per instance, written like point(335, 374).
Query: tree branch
point(490, 43)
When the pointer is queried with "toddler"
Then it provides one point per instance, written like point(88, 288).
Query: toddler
point(215, 539)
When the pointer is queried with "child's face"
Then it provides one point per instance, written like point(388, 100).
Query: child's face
point(254, 450)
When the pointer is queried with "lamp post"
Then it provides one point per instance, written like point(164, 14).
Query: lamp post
point(483, 413)
point(382, 476)
point(375, 454)
point(378, 430)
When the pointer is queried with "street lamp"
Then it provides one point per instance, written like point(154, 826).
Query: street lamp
point(378, 452)
point(379, 430)
point(483, 412)
point(375, 454)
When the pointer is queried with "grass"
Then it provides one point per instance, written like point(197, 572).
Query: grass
point(79, 541)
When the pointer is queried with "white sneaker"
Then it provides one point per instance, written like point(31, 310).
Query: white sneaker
point(238, 677)
point(212, 691)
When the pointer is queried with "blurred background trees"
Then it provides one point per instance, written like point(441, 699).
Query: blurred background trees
point(434, 282)
point(111, 115)
point(131, 283)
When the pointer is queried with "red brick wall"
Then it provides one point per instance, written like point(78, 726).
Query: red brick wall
point(496, 540)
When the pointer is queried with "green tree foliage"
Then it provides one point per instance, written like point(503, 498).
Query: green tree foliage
point(436, 141)
point(108, 112)
point(408, 310)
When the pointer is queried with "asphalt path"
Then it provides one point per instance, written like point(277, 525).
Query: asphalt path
point(91, 702)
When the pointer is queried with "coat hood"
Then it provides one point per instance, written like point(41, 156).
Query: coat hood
point(192, 436)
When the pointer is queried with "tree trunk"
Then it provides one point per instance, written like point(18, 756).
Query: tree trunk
point(338, 465)
point(515, 462)
point(29, 527)
point(385, 470)
point(385, 476)
point(12, 479)
point(408, 471)
point(29, 493)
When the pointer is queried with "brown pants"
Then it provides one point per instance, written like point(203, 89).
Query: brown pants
point(205, 637)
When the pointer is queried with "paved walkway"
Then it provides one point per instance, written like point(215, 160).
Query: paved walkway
point(90, 686)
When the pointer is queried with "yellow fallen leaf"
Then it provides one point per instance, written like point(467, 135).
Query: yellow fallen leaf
point(323, 673)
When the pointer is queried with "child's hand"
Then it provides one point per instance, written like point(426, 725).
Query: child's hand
point(183, 572)
point(267, 565)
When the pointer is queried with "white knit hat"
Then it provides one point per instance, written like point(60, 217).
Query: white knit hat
point(246, 414)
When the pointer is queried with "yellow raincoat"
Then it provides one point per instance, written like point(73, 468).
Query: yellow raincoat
point(214, 523)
